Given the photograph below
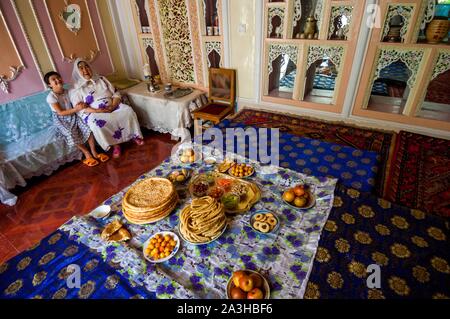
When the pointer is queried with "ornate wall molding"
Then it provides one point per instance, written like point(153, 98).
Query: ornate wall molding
point(4, 80)
point(297, 12)
point(71, 56)
point(156, 31)
point(13, 70)
point(428, 13)
point(273, 12)
point(442, 64)
point(195, 34)
point(177, 40)
point(275, 50)
point(403, 10)
point(411, 58)
point(318, 13)
point(148, 42)
point(337, 11)
point(317, 52)
point(41, 32)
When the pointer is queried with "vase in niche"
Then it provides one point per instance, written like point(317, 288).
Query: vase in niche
point(437, 30)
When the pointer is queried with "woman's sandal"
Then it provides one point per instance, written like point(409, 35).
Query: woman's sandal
point(102, 157)
point(91, 162)
point(139, 141)
point(117, 152)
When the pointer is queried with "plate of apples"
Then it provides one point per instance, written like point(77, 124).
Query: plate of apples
point(247, 284)
point(299, 197)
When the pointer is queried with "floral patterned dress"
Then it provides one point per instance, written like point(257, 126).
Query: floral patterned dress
point(71, 127)
point(109, 129)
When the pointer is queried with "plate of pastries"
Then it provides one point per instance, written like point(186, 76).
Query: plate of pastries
point(202, 221)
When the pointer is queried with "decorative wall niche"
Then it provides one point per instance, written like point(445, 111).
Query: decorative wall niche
point(436, 104)
point(304, 9)
point(393, 79)
point(397, 22)
point(282, 70)
point(142, 14)
point(11, 64)
point(213, 51)
point(340, 21)
point(211, 17)
point(275, 22)
point(149, 46)
point(322, 73)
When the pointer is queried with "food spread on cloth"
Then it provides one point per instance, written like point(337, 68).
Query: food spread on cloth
point(237, 195)
point(116, 232)
point(203, 220)
point(149, 201)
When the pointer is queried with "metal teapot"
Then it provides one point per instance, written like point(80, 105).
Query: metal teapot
point(310, 27)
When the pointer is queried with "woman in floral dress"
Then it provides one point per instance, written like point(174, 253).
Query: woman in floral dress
point(111, 121)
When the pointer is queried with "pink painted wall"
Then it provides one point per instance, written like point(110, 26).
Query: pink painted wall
point(29, 81)
point(102, 63)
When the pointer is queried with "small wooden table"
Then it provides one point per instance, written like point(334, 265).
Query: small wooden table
point(165, 115)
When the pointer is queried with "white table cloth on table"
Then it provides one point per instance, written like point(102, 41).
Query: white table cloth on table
point(164, 115)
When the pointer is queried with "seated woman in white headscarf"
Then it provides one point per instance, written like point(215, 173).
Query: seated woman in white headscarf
point(111, 121)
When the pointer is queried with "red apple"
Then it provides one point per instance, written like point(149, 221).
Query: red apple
point(246, 283)
point(255, 293)
point(236, 276)
point(237, 293)
point(257, 280)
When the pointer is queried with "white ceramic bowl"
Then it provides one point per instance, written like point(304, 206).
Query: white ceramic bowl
point(174, 251)
point(101, 212)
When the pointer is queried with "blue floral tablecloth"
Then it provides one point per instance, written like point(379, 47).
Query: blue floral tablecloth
point(285, 257)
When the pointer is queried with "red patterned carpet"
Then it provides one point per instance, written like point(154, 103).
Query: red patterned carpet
point(339, 133)
point(48, 202)
point(420, 173)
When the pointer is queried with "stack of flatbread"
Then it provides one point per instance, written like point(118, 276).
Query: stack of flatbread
point(149, 201)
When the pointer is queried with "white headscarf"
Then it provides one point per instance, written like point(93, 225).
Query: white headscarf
point(78, 79)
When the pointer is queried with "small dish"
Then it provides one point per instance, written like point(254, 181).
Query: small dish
point(230, 171)
point(273, 226)
point(179, 176)
point(265, 288)
point(101, 212)
point(209, 161)
point(311, 202)
point(163, 234)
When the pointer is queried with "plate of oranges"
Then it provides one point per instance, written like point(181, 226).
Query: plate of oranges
point(299, 197)
point(161, 247)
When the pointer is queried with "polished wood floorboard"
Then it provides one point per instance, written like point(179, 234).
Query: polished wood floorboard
point(73, 190)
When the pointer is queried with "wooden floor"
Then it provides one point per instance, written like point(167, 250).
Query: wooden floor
point(75, 189)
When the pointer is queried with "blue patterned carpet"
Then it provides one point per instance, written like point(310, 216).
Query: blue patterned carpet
point(41, 273)
point(411, 248)
point(354, 168)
